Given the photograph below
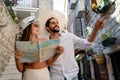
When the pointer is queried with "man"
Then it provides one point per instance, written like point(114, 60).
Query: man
point(65, 67)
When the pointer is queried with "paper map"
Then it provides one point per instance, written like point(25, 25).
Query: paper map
point(37, 52)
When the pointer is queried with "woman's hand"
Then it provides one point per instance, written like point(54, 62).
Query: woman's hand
point(18, 54)
point(60, 50)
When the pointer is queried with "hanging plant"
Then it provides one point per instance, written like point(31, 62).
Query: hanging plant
point(108, 39)
point(9, 4)
point(100, 6)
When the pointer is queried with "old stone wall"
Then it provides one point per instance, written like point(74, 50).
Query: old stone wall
point(112, 22)
point(8, 30)
point(45, 5)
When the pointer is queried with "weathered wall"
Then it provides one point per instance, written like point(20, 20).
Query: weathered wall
point(112, 22)
point(8, 30)
point(45, 5)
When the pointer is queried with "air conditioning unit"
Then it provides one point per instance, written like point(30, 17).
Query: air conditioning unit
point(72, 4)
point(80, 8)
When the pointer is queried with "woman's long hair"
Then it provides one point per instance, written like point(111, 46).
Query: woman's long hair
point(26, 33)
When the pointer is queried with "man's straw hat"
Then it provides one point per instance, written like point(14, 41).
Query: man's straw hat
point(45, 15)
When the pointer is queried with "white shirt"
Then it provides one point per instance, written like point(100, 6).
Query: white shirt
point(66, 65)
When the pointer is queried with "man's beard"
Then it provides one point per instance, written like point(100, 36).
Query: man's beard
point(55, 30)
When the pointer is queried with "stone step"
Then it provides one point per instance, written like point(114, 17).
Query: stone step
point(9, 71)
point(11, 63)
point(10, 67)
point(12, 57)
point(11, 77)
point(12, 60)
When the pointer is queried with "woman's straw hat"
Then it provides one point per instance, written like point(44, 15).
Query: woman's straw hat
point(45, 15)
point(27, 21)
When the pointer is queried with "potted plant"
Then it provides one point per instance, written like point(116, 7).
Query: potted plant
point(90, 53)
point(100, 6)
point(108, 39)
point(100, 59)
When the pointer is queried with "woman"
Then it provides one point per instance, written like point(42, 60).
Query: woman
point(34, 70)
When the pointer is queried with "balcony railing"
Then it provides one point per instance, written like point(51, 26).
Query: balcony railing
point(80, 8)
point(27, 3)
point(73, 4)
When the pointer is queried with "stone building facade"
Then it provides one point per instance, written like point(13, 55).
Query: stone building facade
point(113, 25)
point(110, 70)
point(45, 4)
point(8, 30)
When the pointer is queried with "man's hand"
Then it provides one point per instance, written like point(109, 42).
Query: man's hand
point(60, 50)
point(100, 23)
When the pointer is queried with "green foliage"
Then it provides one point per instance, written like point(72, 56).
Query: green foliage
point(107, 39)
point(77, 58)
point(106, 35)
point(89, 50)
point(103, 6)
point(9, 5)
point(86, 76)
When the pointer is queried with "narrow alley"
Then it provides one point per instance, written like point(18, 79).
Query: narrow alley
point(79, 17)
